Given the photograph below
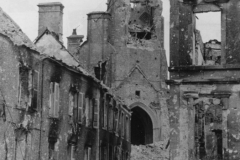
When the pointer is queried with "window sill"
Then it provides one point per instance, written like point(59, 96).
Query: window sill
point(207, 68)
point(52, 117)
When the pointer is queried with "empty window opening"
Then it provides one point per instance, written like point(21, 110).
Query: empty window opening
point(141, 127)
point(209, 25)
point(208, 39)
point(137, 93)
point(100, 71)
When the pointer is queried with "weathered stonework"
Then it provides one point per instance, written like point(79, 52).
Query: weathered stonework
point(129, 38)
point(52, 108)
point(203, 108)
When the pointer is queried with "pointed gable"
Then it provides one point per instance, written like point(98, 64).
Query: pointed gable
point(48, 44)
point(136, 75)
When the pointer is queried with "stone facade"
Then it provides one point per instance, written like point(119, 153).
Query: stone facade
point(50, 107)
point(126, 43)
point(204, 103)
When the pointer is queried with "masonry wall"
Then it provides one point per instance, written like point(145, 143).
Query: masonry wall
point(133, 64)
point(86, 136)
point(203, 107)
point(97, 49)
point(67, 132)
point(19, 125)
point(184, 126)
point(115, 140)
point(140, 64)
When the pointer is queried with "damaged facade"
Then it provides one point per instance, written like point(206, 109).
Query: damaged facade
point(124, 48)
point(204, 83)
point(50, 107)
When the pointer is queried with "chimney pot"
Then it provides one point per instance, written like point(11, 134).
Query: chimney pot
point(74, 32)
point(74, 41)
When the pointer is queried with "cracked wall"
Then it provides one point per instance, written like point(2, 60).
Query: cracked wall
point(129, 37)
point(205, 124)
point(140, 64)
point(33, 129)
point(19, 125)
point(203, 107)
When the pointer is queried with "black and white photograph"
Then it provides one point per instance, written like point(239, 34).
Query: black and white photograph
point(119, 79)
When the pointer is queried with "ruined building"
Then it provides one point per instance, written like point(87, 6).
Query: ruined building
point(50, 107)
point(124, 49)
point(204, 82)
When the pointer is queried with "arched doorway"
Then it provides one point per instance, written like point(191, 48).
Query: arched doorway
point(141, 127)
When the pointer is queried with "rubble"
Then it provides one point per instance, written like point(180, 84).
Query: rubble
point(155, 151)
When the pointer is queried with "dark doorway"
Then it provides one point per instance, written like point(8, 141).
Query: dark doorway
point(141, 127)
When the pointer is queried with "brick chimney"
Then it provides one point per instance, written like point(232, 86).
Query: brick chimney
point(51, 17)
point(74, 41)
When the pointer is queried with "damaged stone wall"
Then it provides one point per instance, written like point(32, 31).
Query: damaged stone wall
point(203, 107)
point(36, 118)
point(137, 35)
point(77, 131)
point(205, 125)
point(19, 116)
point(129, 38)
point(97, 49)
point(184, 33)
point(64, 131)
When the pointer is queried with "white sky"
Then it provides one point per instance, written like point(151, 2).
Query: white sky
point(25, 14)
point(209, 25)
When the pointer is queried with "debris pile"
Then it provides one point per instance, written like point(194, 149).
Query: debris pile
point(156, 151)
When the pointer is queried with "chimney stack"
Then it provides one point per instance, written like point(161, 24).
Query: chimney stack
point(74, 41)
point(51, 17)
point(98, 37)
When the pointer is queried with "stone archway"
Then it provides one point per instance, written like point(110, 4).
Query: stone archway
point(142, 127)
point(144, 124)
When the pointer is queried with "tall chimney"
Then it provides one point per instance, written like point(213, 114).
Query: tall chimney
point(74, 41)
point(51, 17)
point(98, 37)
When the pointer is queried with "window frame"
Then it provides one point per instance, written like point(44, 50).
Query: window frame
point(96, 108)
point(105, 113)
point(116, 118)
point(75, 106)
point(54, 99)
point(72, 152)
point(222, 11)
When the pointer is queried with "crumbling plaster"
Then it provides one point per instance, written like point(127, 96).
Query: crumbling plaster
point(10, 29)
point(14, 118)
point(65, 129)
point(181, 124)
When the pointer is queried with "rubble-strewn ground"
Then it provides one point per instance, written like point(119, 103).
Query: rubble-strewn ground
point(156, 151)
